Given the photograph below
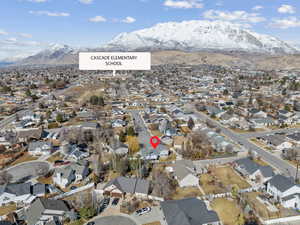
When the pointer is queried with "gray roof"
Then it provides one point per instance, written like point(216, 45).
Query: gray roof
point(282, 183)
point(189, 211)
point(38, 189)
point(38, 207)
point(274, 139)
point(18, 189)
point(130, 185)
point(182, 168)
point(38, 144)
point(251, 167)
point(71, 169)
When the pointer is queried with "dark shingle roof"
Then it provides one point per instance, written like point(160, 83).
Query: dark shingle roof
point(130, 185)
point(37, 209)
point(282, 183)
point(250, 166)
point(190, 211)
point(18, 189)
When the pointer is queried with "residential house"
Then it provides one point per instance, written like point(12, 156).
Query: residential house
point(21, 193)
point(44, 211)
point(284, 190)
point(262, 122)
point(121, 186)
point(214, 111)
point(256, 113)
point(184, 172)
point(277, 141)
point(178, 142)
point(39, 148)
point(189, 211)
point(295, 137)
point(90, 126)
point(253, 170)
point(69, 174)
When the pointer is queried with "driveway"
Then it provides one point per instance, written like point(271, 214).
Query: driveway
point(114, 220)
point(26, 171)
point(156, 215)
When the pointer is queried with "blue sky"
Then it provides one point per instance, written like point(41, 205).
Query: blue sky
point(27, 26)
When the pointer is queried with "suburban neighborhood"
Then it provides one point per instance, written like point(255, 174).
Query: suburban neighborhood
point(75, 146)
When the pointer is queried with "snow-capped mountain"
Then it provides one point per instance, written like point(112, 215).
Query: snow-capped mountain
point(199, 35)
point(55, 53)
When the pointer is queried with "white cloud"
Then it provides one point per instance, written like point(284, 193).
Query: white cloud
point(25, 35)
point(286, 9)
point(13, 48)
point(3, 32)
point(285, 23)
point(129, 19)
point(97, 19)
point(48, 13)
point(86, 1)
point(239, 16)
point(257, 8)
point(183, 4)
point(11, 40)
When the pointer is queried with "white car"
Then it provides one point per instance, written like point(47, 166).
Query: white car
point(143, 211)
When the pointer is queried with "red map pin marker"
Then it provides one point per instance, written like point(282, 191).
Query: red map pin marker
point(154, 141)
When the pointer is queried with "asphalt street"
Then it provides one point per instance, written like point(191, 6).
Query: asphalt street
point(281, 165)
point(143, 133)
point(277, 131)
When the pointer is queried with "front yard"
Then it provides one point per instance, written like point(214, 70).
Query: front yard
point(186, 193)
point(227, 210)
point(24, 158)
point(54, 157)
point(4, 210)
point(220, 180)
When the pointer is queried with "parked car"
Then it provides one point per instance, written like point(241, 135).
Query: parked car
point(91, 223)
point(61, 162)
point(143, 211)
point(115, 201)
point(106, 201)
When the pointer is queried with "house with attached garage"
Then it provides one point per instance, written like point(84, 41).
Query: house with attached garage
point(189, 211)
point(262, 122)
point(277, 142)
point(253, 170)
point(121, 186)
point(40, 148)
point(21, 193)
point(284, 190)
point(69, 174)
point(45, 211)
point(184, 172)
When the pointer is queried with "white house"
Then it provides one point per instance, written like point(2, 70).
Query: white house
point(284, 190)
point(20, 193)
point(70, 174)
point(253, 171)
point(39, 148)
